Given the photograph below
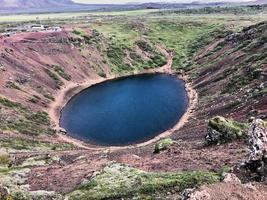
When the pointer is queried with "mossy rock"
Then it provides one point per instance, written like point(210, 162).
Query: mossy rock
point(5, 159)
point(119, 181)
point(163, 145)
point(222, 130)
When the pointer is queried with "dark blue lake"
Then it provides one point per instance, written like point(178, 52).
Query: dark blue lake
point(125, 111)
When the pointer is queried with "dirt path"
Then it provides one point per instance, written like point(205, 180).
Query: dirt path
point(71, 88)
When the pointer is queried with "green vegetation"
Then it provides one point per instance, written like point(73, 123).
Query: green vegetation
point(35, 99)
point(60, 71)
point(11, 104)
point(163, 145)
point(222, 130)
point(23, 144)
point(49, 96)
point(4, 159)
point(183, 38)
point(118, 181)
point(40, 117)
point(12, 85)
point(24, 121)
point(78, 32)
point(55, 77)
point(121, 52)
point(102, 74)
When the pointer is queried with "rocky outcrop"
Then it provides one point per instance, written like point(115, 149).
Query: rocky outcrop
point(4, 193)
point(257, 162)
point(222, 130)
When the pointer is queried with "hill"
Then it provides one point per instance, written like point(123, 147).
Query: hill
point(33, 3)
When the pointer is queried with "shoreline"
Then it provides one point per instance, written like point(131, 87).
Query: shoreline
point(72, 89)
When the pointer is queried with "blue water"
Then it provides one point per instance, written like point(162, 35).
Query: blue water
point(125, 111)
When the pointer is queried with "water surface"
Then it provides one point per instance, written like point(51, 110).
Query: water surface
point(125, 111)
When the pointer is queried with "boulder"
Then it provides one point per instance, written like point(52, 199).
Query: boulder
point(163, 145)
point(231, 178)
point(4, 192)
point(221, 130)
point(257, 139)
point(257, 161)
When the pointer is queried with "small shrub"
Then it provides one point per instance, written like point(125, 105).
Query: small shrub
point(4, 159)
point(78, 32)
point(60, 71)
point(102, 74)
point(12, 85)
point(11, 104)
point(49, 96)
point(55, 77)
point(40, 118)
point(163, 145)
point(35, 99)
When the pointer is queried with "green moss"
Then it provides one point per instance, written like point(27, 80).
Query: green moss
point(120, 181)
point(4, 159)
point(162, 145)
point(222, 130)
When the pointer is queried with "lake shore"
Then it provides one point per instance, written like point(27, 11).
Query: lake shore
point(72, 88)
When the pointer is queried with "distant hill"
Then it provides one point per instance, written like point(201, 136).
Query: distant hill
point(260, 2)
point(42, 6)
point(36, 6)
point(15, 4)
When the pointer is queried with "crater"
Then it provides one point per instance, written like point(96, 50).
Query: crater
point(125, 111)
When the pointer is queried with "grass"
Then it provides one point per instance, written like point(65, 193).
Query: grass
point(25, 121)
point(55, 77)
point(120, 181)
point(23, 144)
point(12, 85)
point(35, 99)
point(40, 117)
point(78, 32)
point(60, 71)
point(121, 53)
point(49, 96)
point(11, 104)
point(184, 39)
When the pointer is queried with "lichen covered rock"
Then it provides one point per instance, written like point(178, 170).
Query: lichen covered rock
point(222, 130)
point(257, 162)
point(163, 145)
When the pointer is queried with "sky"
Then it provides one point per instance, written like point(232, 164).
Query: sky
point(142, 1)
